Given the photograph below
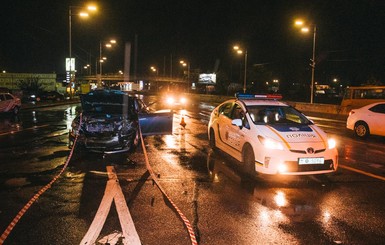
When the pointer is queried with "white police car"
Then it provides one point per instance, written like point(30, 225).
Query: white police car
point(271, 137)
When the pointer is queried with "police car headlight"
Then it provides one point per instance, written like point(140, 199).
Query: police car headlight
point(270, 143)
point(332, 143)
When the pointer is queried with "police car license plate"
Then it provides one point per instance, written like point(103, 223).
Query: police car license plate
point(311, 160)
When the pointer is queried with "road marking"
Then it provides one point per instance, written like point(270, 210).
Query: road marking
point(111, 239)
point(113, 192)
point(363, 172)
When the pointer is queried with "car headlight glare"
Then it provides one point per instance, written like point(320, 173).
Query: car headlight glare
point(183, 100)
point(270, 143)
point(170, 100)
point(282, 168)
point(332, 143)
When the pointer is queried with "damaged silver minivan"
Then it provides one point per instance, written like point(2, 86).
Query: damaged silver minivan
point(110, 119)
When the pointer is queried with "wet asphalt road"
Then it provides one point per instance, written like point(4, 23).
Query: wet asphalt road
point(222, 205)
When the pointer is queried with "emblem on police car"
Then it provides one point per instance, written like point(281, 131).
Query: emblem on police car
point(310, 150)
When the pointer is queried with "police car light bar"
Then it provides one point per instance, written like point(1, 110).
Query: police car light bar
point(259, 96)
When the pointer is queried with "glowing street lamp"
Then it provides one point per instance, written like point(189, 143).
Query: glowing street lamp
point(240, 51)
point(306, 29)
point(186, 64)
point(83, 14)
point(102, 59)
point(153, 69)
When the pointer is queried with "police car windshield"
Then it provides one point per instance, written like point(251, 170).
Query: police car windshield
point(265, 114)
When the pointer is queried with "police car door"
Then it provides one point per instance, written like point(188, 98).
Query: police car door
point(223, 121)
point(236, 134)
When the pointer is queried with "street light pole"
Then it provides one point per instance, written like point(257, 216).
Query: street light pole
point(188, 73)
point(101, 58)
point(239, 51)
point(71, 75)
point(72, 64)
point(313, 66)
point(70, 32)
point(244, 76)
point(188, 77)
point(300, 23)
point(100, 64)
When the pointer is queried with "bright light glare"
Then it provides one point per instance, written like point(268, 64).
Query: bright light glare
point(170, 100)
point(270, 144)
point(183, 100)
point(282, 168)
point(305, 29)
point(332, 143)
point(83, 14)
point(298, 22)
point(92, 8)
point(280, 199)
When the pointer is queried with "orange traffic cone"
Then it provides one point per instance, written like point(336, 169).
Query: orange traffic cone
point(182, 122)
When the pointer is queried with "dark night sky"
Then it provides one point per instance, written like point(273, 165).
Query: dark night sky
point(350, 35)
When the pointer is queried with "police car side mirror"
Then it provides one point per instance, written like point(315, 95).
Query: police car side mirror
point(237, 122)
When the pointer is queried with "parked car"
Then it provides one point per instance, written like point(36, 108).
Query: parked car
point(51, 96)
point(367, 120)
point(270, 137)
point(30, 97)
point(111, 122)
point(9, 103)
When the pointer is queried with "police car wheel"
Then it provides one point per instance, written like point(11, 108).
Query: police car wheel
point(212, 139)
point(248, 160)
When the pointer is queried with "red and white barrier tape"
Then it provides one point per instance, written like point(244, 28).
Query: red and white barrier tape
point(38, 194)
point(186, 222)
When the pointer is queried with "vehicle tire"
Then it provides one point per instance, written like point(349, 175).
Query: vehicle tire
point(15, 110)
point(361, 130)
point(78, 151)
point(212, 139)
point(248, 160)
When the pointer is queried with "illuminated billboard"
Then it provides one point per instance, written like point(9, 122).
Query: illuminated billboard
point(70, 64)
point(207, 78)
